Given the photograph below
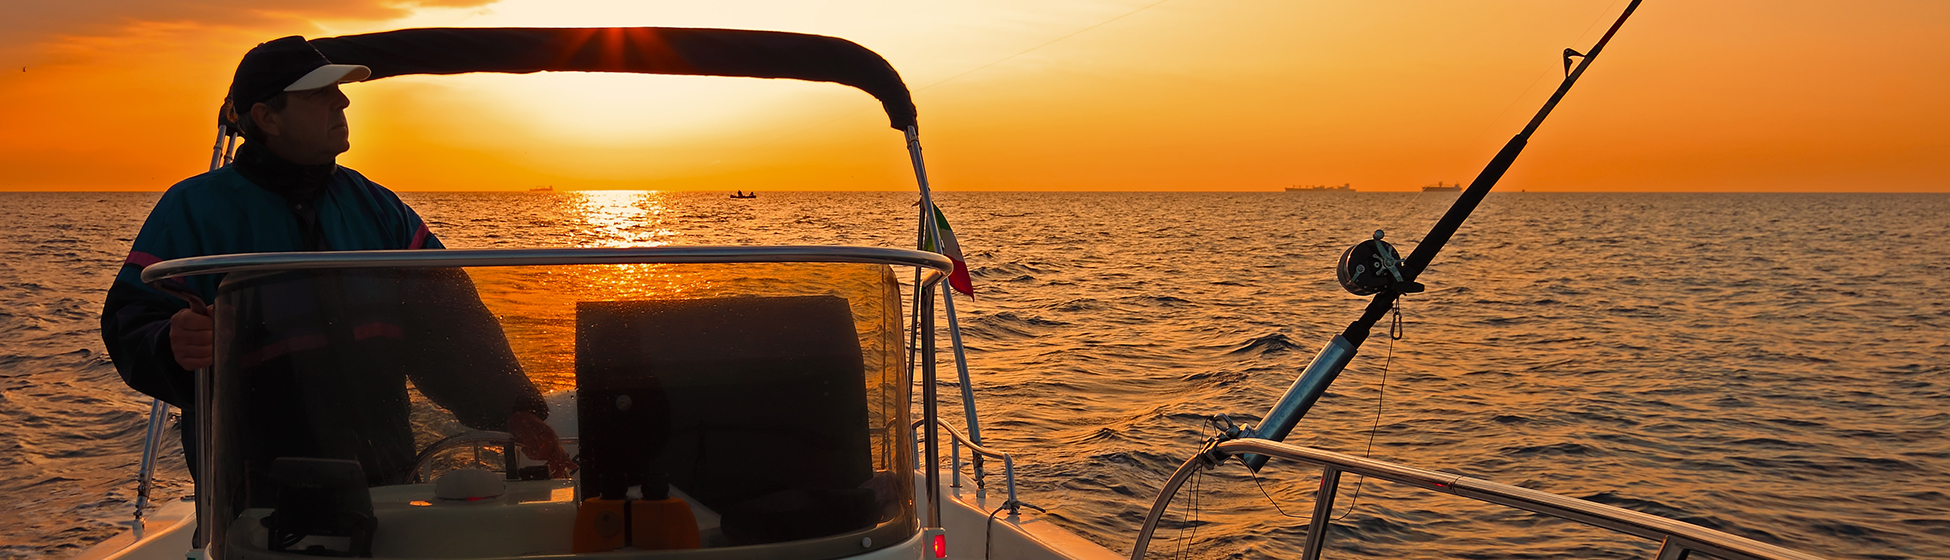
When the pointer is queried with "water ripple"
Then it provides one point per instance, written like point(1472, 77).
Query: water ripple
point(1727, 360)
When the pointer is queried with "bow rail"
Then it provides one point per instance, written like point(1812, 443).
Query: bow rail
point(956, 441)
point(1677, 539)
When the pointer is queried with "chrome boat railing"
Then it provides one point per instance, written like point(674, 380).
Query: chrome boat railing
point(1677, 538)
point(248, 262)
point(955, 442)
point(151, 446)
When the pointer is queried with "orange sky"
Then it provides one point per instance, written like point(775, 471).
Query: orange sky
point(1225, 95)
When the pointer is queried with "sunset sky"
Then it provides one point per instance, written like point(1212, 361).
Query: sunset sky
point(1219, 95)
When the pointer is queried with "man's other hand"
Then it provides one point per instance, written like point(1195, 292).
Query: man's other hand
point(192, 339)
point(538, 442)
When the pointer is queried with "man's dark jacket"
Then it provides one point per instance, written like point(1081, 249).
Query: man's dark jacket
point(263, 203)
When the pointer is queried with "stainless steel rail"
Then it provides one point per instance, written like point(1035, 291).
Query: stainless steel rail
point(151, 445)
point(957, 441)
point(1676, 538)
point(246, 262)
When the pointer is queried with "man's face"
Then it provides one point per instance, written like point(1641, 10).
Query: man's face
point(311, 129)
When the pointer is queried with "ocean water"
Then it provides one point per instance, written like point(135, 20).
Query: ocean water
point(1771, 365)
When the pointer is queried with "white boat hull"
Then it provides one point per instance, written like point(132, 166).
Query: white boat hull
point(964, 511)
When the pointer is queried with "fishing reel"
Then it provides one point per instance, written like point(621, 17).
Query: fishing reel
point(1372, 266)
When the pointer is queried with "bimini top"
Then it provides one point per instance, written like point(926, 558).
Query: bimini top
point(640, 50)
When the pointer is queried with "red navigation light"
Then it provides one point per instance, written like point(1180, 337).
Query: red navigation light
point(940, 545)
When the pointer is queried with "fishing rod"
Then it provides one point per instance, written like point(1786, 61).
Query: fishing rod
point(1368, 268)
point(1375, 268)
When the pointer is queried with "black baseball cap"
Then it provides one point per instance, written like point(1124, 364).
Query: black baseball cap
point(286, 64)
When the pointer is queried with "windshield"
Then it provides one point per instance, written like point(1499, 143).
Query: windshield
point(505, 411)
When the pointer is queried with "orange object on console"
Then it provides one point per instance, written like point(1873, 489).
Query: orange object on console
point(665, 524)
point(599, 526)
point(603, 525)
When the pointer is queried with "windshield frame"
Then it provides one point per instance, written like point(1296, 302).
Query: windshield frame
point(931, 269)
point(940, 265)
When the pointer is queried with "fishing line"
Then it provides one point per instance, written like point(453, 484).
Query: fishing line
point(1414, 203)
point(1191, 502)
point(989, 530)
point(1395, 332)
point(1595, 21)
point(1494, 136)
point(1262, 488)
point(853, 114)
point(1198, 482)
point(1262, 491)
point(1051, 42)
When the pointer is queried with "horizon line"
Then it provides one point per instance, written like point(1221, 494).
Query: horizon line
point(939, 190)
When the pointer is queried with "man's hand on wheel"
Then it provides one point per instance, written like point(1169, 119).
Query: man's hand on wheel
point(538, 442)
point(192, 338)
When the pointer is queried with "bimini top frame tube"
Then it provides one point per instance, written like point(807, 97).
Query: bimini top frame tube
point(637, 50)
point(449, 258)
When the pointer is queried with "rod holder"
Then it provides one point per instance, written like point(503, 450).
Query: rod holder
point(1301, 397)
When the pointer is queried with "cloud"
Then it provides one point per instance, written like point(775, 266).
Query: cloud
point(28, 27)
point(120, 94)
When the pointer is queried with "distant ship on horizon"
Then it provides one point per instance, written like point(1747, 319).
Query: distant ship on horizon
point(1439, 187)
point(550, 188)
point(1344, 187)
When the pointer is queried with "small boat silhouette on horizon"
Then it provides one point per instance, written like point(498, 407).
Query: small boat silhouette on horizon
point(1343, 187)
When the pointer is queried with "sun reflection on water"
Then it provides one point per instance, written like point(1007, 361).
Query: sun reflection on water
point(620, 219)
point(537, 305)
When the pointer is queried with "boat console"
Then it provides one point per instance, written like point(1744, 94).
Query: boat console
point(396, 404)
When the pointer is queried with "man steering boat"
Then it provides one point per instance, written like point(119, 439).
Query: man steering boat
point(285, 192)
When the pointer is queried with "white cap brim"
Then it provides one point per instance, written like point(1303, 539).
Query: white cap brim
point(330, 74)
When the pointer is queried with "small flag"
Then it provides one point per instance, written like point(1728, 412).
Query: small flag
point(952, 249)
